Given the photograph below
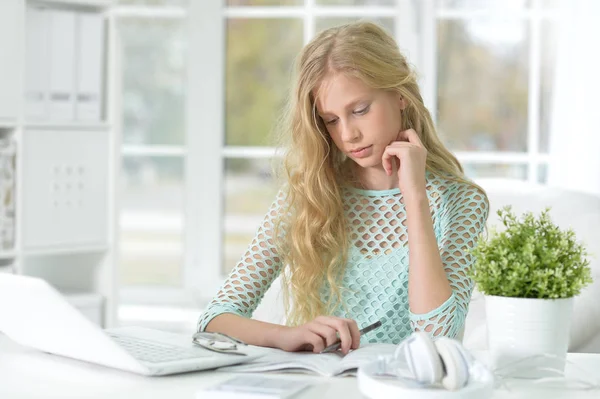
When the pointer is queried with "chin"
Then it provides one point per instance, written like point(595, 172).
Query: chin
point(369, 162)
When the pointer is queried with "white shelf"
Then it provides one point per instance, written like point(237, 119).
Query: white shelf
point(65, 250)
point(81, 3)
point(64, 178)
point(8, 254)
point(67, 125)
point(8, 125)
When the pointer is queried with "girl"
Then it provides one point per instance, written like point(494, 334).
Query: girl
point(376, 219)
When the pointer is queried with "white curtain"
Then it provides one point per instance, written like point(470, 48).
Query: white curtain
point(575, 133)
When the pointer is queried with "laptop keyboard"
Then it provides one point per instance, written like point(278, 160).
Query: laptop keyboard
point(154, 352)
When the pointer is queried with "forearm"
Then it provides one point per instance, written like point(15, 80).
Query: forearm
point(250, 331)
point(428, 285)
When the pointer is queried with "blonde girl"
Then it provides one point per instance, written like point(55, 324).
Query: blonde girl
point(376, 218)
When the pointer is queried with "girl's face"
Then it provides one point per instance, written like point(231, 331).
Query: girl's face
point(361, 121)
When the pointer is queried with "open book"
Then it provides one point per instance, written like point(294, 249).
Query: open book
point(325, 364)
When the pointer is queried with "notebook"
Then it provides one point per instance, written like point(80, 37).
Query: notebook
point(325, 364)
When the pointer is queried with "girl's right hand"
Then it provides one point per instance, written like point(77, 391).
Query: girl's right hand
point(320, 333)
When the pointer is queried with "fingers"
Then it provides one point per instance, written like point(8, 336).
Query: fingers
point(392, 155)
point(316, 341)
point(326, 332)
point(411, 136)
point(386, 161)
point(342, 326)
point(355, 332)
point(409, 142)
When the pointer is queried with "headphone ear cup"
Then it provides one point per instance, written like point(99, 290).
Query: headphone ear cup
point(423, 359)
point(456, 365)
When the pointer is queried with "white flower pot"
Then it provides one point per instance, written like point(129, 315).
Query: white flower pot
point(523, 327)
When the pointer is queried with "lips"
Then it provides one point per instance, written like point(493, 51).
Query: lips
point(361, 152)
point(359, 149)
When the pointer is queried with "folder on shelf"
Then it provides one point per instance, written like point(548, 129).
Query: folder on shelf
point(8, 153)
point(61, 104)
point(90, 50)
point(36, 63)
point(10, 54)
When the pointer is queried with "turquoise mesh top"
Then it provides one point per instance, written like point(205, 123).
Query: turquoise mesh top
point(375, 284)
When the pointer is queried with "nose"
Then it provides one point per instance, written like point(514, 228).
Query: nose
point(350, 132)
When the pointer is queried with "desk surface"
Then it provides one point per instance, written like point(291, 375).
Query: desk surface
point(27, 373)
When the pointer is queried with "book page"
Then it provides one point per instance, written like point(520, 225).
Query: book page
point(325, 364)
point(364, 354)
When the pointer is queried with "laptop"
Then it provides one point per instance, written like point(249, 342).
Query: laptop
point(36, 315)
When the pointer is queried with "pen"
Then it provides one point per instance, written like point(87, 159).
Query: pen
point(336, 346)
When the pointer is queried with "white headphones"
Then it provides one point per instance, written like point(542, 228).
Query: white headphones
point(426, 368)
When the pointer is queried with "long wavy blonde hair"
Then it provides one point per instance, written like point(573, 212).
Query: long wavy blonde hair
point(311, 232)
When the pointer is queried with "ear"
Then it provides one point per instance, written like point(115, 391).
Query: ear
point(403, 102)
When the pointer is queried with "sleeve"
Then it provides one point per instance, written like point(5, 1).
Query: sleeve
point(247, 283)
point(463, 220)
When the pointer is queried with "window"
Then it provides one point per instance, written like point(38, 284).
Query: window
point(152, 52)
point(195, 185)
point(495, 64)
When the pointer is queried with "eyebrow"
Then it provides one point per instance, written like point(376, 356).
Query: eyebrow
point(350, 105)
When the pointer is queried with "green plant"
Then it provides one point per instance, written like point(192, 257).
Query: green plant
point(531, 258)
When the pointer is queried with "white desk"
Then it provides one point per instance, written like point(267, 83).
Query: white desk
point(26, 373)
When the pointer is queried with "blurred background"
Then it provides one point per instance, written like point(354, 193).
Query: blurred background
point(201, 85)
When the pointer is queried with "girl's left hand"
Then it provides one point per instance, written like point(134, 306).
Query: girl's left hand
point(410, 155)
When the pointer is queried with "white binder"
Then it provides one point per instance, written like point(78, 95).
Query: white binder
point(61, 104)
point(10, 63)
point(90, 49)
point(36, 63)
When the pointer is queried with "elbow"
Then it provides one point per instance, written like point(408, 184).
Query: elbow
point(449, 326)
point(445, 321)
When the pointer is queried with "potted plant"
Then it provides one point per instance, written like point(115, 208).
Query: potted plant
point(529, 273)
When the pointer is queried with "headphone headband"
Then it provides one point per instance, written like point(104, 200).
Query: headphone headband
point(480, 385)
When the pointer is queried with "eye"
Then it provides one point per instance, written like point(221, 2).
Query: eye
point(362, 111)
point(331, 121)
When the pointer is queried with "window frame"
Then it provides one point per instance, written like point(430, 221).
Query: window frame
point(200, 152)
